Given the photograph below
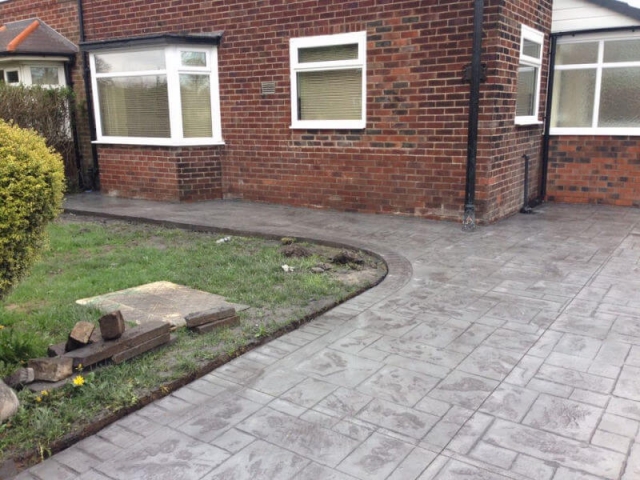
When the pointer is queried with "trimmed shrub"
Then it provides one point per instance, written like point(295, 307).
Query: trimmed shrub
point(31, 192)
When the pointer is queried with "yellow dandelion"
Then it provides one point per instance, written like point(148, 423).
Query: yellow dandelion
point(44, 393)
point(1, 327)
point(78, 381)
point(38, 399)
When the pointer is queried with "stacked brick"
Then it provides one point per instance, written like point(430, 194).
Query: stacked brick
point(210, 320)
point(86, 347)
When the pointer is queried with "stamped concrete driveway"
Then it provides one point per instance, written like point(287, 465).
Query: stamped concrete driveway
point(512, 352)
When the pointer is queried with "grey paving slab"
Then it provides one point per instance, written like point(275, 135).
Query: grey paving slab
point(375, 458)
point(309, 440)
point(464, 389)
point(259, 461)
point(551, 447)
point(565, 417)
point(338, 368)
point(397, 418)
point(512, 352)
point(169, 454)
point(398, 385)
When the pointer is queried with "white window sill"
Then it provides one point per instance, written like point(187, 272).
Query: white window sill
point(527, 121)
point(329, 125)
point(609, 132)
point(159, 142)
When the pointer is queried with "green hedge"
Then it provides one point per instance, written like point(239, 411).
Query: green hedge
point(47, 111)
point(31, 191)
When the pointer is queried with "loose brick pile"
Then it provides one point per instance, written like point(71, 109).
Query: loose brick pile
point(87, 346)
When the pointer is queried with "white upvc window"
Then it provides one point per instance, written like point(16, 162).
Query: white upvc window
point(46, 74)
point(328, 81)
point(596, 87)
point(529, 71)
point(164, 95)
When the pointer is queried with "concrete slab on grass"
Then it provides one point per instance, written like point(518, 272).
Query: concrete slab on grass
point(155, 301)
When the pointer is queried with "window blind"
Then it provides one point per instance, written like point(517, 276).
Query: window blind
point(330, 95)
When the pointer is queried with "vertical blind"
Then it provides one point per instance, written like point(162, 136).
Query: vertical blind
point(134, 106)
point(195, 94)
point(527, 91)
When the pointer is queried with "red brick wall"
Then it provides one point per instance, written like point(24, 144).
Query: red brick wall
point(594, 169)
point(502, 144)
point(160, 173)
point(411, 158)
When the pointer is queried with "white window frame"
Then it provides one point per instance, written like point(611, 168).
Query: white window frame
point(23, 67)
point(528, 33)
point(359, 38)
point(173, 69)
point(599, 66)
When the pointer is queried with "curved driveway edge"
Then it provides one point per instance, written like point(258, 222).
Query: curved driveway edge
point(509, 353)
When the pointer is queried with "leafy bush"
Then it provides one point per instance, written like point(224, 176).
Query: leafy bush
point(47, 111)
point(31, 191)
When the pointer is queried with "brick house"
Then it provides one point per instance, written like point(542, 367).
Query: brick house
point(354, 105)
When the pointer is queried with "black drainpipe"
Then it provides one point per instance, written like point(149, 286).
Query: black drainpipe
point(469, 219)
point(86, 78)
point(547, 119)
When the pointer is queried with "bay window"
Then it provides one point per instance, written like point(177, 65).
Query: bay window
point(163, 95)
point(328, 81)
point(597, 86)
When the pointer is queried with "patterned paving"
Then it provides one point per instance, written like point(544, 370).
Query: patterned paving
point(509, 353)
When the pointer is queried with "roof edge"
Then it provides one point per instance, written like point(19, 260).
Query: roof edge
point(153, 40)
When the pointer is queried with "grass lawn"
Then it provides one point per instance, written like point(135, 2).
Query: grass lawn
point(89, 257)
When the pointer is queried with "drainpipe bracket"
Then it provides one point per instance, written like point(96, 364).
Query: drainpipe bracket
point(467, 73)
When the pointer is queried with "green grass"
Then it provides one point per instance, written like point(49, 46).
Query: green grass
point(88, 258)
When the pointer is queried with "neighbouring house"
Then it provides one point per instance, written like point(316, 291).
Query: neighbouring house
point(416, 108)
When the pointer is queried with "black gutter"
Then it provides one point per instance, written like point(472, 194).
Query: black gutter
point(153, 40)
point(86, 78)
point(596, 30)
point(69, 56)
point(469, 219)
point(546, 139)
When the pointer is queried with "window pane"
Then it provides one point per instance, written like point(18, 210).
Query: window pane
point(531, 48)
point(195, 93)
point(134, 106)
point(13, 77)
point(576, 53)
point(130, 61)
point(328, 54)
point(527, 91)
point(573, 98)
point(193, 59)
point(622, 51)
point(620, 97)
point(330, 95)
point(44, 76)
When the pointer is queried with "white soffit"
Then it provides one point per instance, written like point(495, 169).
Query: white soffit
point(576, 15)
